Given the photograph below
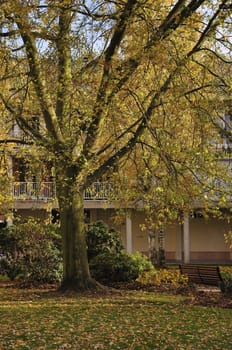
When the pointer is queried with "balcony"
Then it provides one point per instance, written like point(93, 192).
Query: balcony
point(98, 191)
point(46, 190)
point(34, 190)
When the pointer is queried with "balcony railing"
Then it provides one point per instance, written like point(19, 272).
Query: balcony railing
point(34, 190)
point(46, 190)
point(98, 191)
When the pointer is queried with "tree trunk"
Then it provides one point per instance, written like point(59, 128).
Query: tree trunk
point(76, 274)
point(153, 256)
point(156, 253)
point(161, 251)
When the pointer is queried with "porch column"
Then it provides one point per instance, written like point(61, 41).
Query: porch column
point(186, 239)
point(179, 243)
point(128, 233)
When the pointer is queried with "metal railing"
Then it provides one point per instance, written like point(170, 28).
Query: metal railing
point(47, 190)
point(34, 190)
point(98, 191)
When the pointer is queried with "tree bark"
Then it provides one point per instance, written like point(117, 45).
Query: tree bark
point(76, 274)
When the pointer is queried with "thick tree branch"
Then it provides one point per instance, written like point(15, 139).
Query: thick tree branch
point(174, 19)
point(64, 64)
point(17, 141)
point(116, 39)
point(138, 132)
point(23, 123)
point(155, 102)
point(178, 14)
point(38, 80)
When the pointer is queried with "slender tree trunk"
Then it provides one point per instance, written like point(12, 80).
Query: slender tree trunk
point(157, 253)
point(161, 251)
point(76, 274)
point(152, 247)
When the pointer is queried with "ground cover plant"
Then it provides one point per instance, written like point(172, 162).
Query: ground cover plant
point(43, 319)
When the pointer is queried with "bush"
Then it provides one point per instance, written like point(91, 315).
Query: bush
point(42, 267)
point(108, 263)
point(7, 240)
point(10, 267)
point(33, 252)
point(101, 239)
point(113, 267)
point(118, 267)
point(142, 262)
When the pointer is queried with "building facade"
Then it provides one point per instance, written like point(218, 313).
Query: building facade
point(196, 240)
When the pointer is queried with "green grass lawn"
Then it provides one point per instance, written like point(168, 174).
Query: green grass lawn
point(136, 320)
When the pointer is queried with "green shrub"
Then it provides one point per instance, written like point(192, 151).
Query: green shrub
point(142, 262)
point(108, 263)
point(32, 251)
point(119, 267)
point(43, 268)
point(8, 240)
point(10, 267)
point(101, 239)
point(114, 267)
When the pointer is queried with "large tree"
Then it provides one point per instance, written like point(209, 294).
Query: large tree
point(99, 75)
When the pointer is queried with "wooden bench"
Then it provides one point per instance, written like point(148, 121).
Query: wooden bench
point(202, 274)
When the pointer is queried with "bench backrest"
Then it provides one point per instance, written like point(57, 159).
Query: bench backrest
point(202, 274)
